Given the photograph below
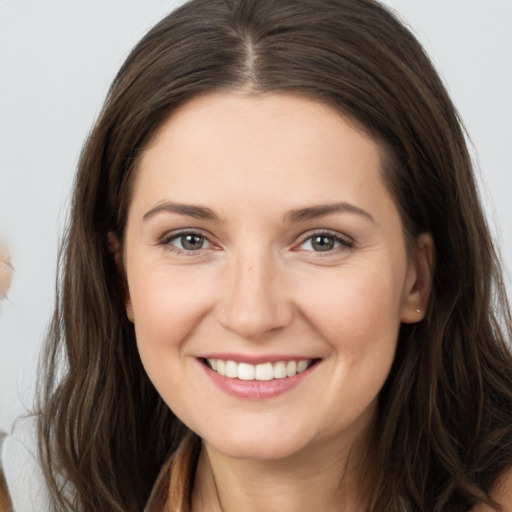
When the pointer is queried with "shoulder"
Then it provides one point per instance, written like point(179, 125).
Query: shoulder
point(501, 492)
point(23, 473)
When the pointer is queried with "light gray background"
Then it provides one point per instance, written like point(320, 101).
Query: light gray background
point(57, 58)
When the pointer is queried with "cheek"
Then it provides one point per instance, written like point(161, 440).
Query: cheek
point(357, 306)
point(166, 305)
point(167, 310)
point(359, 318)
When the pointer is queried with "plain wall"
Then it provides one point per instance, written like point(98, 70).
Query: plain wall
point(57, 59)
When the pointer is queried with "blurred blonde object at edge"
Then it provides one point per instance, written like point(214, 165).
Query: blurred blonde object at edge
point(5, 270)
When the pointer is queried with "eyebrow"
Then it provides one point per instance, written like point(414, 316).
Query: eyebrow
point(293, 216)
point(312, 212)
point(197, 212)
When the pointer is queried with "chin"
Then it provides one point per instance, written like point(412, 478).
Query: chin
point(263, 444)
point(257, 449)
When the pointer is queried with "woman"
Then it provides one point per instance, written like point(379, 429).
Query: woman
point(278, 287)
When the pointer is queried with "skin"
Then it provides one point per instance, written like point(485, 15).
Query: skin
point(5, 271)
point(501, 493)
point(259, 287)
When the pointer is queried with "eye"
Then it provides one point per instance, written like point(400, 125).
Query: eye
point(187, 241)
point(325, 242)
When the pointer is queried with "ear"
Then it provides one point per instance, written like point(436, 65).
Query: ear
point(419, 279)
point(114, 246)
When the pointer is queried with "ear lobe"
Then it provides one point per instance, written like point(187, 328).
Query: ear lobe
point(114, 246)
point(115, 249)
point(419, 279)
point(129, 309)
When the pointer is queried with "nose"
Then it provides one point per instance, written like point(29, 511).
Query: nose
point(255, 300)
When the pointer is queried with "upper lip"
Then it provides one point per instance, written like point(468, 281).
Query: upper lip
point(259, 359)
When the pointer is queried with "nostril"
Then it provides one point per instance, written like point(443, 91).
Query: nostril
point(253, 303)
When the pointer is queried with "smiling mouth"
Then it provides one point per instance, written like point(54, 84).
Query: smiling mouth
point(259, 372)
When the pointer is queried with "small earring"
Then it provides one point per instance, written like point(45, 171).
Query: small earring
point(418, 310)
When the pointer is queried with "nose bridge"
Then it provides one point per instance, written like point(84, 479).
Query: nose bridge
point(255, 301)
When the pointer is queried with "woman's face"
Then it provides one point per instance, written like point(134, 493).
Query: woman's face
point(267, 273)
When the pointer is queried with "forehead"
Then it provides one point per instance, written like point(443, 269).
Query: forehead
point(224, 112)
point(272, 147)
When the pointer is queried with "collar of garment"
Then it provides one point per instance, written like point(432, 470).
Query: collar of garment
point(173, 488)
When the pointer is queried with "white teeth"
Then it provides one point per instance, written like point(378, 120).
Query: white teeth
point(264, 371)
point(221, 367)
point(261, 372)
point(291, 368)
point(301, 366)
point(231, 369)
point(280, 370)
point(245, 371)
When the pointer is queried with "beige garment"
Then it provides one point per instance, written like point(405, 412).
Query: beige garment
point(171, 492)
point(173, 488)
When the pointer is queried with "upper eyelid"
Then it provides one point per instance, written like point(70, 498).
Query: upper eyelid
point(175, 233)
point(298, 240)
point(345, 243)
point(167, 239)
point(328, 232)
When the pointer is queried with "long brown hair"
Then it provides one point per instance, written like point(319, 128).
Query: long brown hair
point(444, 428)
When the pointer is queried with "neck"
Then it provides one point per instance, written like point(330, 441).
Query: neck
point(318, 478)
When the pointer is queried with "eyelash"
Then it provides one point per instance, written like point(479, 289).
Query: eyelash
point(341, 242)
point(168, 238)
point(344, 242)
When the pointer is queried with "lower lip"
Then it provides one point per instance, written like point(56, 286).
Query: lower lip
point(256, 389)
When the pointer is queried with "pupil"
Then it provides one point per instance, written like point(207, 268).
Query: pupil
point(323, 243)
point(192, 242)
